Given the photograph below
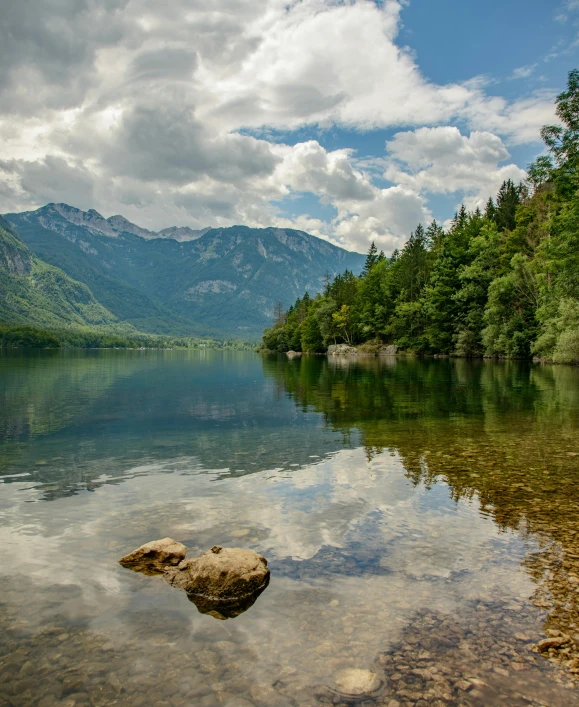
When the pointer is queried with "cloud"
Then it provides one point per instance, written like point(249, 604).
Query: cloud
point(387, 220)
point(49, 178)
point(48, 50)
point(443, 161)
point(164, 113)
point(523, 72)
point(167, 142)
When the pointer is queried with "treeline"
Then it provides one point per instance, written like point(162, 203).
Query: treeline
point(503, 282)
point(33, 337)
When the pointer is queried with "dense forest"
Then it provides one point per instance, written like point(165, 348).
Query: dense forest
point(86, 338)
point(503, 282)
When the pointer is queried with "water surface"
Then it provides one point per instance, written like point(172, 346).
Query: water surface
point(419, 518)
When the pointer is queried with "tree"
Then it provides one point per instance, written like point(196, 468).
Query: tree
point(278, 314)
point(372, 258)
point(343, 321)
point(508, 198)
point(563, 140)
point(539, 172)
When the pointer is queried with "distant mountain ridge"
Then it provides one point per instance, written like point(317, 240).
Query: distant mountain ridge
point(112, 226)
point(181, 281)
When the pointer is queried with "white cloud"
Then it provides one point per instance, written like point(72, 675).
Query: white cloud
point(523, 72)
point(442, 161)
point(141, 109)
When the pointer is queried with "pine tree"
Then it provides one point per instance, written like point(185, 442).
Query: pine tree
point(491, 209)
point(279, 316)
point(508, 198)
point(371, 259)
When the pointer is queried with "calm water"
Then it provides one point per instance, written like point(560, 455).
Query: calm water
point(420, 519)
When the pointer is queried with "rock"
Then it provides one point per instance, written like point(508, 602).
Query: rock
point(153, 557)
point(341, 350)
point(555, 642)
point(388, 350)
point(292, 354)
point(221, 576)
point(355, 681)
point(224, 610)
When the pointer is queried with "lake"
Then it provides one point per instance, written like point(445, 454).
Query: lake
point(420, 519)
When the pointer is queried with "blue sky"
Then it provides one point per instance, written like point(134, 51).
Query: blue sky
point(516, 47)
point(351, 119)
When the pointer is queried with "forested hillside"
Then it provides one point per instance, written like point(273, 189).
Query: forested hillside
point(501, 282)
point(225, 281)
point(35, 293)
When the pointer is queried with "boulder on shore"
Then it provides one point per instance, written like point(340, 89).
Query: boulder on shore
point(154, 557)
point(389, 350)
point(341, 350)
point(221, 576)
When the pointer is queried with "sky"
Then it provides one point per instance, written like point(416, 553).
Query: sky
point(354, 120)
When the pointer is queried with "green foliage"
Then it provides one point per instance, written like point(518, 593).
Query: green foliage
point(27, 337)
point(504, 283)
point(37, 294)
point(86, 338)
point(226, 282)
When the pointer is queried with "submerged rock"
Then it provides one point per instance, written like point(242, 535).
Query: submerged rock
point(221, 576)
point(155, 556)
point(224, 610)
point(357, 682)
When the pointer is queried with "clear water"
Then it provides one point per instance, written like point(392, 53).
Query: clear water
point(420, 519)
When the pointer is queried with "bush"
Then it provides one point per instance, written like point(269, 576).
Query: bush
point(567, 350)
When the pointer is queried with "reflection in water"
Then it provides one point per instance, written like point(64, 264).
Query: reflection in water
point(506, 434)
point(419, 518)
point(224, 610)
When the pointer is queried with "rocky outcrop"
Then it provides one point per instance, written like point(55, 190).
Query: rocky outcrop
point(341, 350)
point(155, 557)
point(223, 582)
point(221, 575)
point(182, 233)
point(369, 348)
point(293, 354)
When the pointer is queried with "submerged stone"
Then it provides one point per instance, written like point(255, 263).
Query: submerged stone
point(224, 610)
point(356, 682)
point(155, 556)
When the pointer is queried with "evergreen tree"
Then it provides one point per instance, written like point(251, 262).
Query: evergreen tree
point(372, 258)
point(504, 282)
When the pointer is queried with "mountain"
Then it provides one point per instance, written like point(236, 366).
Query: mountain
point(112, 226)
point(221, 281)
point(182, 234)
point(35, 293)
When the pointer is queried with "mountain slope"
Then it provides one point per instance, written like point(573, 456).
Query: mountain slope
point(35, 293)
point(224, 280)
point(83, 254)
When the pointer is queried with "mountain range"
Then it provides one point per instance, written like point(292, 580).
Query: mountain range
point(213, 281)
